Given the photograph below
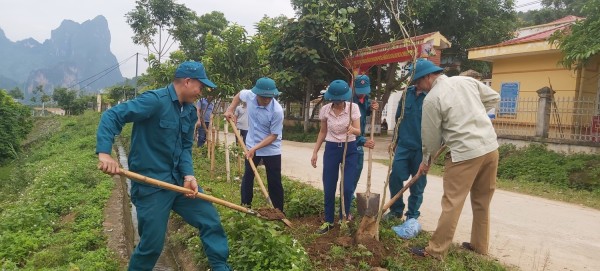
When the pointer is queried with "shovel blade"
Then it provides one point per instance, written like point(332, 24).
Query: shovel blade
point(368, 231)
point(367, 204)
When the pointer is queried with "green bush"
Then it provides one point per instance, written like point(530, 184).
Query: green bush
point(296, 133)
point(536, 163)
point(256, 244)
point(15, 124)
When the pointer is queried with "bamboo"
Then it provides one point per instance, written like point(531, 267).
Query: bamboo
point(227, 166)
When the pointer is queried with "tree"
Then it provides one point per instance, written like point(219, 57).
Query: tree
point(64, 98)
point(15, 124)
point(159, 74)
point(467, 24)
point(580, 42)
point(231, 60)
point(191, 31)
point(551, 10)
point(153, 24)
point(16, 93)
point(121, 92)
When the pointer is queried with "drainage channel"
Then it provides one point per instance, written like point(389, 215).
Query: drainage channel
point(166, 262)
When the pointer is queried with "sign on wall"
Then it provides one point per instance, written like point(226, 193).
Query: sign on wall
point(509, 93)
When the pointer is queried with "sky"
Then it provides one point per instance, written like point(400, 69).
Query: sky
point(22, 19)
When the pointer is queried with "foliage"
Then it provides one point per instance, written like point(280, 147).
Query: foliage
point(232, 61)
point(15, 124)
point(52, 224)
point(580, 43)
point(261, 245)
point(153, 23)
point(16, 93)
point(192, 31)
point(551, 10)
point(536, 163)
point(296, 133)
point(121, 93)
point(467, 24)
point(160, 74)
point(70, 102)
point(40, 95)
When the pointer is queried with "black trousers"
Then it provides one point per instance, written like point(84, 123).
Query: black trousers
point(273, 167)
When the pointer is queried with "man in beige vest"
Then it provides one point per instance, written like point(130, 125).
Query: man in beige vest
point(454, 112)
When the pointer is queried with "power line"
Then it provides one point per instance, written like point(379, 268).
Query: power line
point(105, 71)
point(528, 4)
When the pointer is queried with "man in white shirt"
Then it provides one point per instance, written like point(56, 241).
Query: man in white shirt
point(455, 112)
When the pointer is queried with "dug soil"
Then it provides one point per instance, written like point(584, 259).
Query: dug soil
point(320, 253)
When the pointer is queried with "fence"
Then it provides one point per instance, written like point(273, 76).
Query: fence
point(563, 120)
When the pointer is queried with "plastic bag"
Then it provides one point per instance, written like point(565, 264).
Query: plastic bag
point(492, 113)
point(409, 229)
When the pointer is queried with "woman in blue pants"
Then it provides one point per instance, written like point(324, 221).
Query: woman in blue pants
point(336, 128)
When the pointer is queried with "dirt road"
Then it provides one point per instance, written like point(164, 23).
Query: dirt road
point(529, 232)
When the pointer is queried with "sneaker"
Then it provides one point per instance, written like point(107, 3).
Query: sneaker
point(349, 218)
point(325, 228)
point(392, 215)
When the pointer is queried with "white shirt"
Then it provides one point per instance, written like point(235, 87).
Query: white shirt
point(455, 112)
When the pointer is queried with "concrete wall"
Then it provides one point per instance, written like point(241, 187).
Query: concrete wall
point(534, 72)
point(557, 147)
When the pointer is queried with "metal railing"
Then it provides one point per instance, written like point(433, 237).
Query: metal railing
point(574, 119)
point(516, 117)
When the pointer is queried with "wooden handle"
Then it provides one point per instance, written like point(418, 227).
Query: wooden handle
point(413, 180)
point(147, 180)
point(370, 168)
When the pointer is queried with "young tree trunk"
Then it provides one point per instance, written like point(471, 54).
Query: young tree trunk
point(307, 106)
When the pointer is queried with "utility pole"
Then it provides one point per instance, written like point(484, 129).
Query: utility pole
point(136, 73)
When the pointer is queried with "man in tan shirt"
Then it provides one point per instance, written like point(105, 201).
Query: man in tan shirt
point(454, 112)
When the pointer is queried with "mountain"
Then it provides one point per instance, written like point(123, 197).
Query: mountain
point(76, 56)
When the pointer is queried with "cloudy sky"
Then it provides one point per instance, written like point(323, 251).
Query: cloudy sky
point(21, 19)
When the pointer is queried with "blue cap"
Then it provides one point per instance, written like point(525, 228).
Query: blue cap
point(338, 90)
point(362, 84)
point(422, 68)
point(193, 69)
point(265, 87)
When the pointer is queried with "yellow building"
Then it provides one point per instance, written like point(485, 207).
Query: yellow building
point(527, 63)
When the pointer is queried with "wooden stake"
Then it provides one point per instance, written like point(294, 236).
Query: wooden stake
point(227, 166)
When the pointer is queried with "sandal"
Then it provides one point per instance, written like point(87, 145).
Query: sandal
point(467, 246)
point(419, 251)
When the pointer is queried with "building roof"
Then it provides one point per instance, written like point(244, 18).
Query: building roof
point(528, 41)
point(537, 32)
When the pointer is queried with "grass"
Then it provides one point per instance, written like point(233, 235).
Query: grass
point(55, 221)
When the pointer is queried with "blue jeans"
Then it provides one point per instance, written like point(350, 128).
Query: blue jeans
point(202, 135)
point(332, 158)
point(359, 166)
point(406, 164)
point(153, 214)
point(273, 167)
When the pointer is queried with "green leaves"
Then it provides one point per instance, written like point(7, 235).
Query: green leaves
point(580, 44)
point(15, 124)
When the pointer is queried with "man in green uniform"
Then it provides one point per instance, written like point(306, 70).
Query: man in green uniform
point(362, 88)
point(161, 148)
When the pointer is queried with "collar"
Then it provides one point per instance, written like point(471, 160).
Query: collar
point(345, 111)
point(185, 107)
point(438, 79)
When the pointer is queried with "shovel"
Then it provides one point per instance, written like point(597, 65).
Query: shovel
point(258, 178)
point(266, 214)
point(369, 225)
point(368, 203)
